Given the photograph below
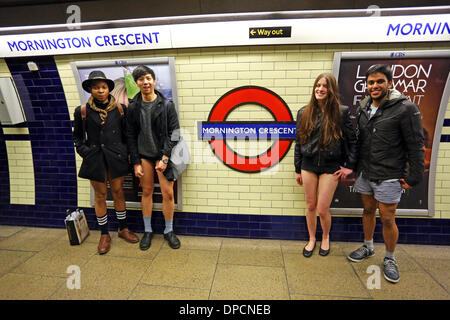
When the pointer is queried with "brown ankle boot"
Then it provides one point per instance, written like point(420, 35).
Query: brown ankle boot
point(104, 244)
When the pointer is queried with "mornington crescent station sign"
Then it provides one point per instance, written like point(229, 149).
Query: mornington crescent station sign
point(383, 29)
point(217, 130)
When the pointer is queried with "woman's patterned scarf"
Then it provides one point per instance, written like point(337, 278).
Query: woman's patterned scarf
point(103, 113)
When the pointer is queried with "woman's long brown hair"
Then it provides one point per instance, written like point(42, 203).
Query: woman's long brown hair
point(330, 129)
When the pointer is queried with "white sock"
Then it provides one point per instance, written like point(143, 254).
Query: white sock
point(390, 255)
point(369, 244)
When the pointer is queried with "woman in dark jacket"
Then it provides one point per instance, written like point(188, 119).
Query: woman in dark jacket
point(325, 151)
point(100, 139)
point(152, 127)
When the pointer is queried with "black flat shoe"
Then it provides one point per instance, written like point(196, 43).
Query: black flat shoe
point(146, 241)
point(324, 253)
point(307, 253)
point(172, 239)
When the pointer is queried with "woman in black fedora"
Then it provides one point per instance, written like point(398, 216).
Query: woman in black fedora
point(100, 139)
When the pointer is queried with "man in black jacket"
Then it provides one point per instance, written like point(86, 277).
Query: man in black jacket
point(391, 159)
point(149, 126)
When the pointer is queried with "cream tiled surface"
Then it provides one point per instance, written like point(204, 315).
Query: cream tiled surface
point(34, 264)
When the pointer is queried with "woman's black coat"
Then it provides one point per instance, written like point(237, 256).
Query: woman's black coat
point(105, 148)
point(344, 151)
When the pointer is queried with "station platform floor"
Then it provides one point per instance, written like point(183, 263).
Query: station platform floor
point(37, 264)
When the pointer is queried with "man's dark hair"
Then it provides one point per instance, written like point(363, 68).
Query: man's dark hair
point(380, 68)
point(142, 70)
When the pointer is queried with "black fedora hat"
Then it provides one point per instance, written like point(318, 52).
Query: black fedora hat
point(97, 75)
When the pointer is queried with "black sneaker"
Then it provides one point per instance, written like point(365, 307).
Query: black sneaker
point(361, 253)
point(172, 239)
point(391, 270)
point(146, 241)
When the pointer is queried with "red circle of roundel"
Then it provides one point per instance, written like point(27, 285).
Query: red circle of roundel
point(245, 95)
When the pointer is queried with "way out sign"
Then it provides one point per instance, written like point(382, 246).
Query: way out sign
point(270, 32)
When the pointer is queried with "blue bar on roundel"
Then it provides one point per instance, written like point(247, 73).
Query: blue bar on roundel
point(247, 130)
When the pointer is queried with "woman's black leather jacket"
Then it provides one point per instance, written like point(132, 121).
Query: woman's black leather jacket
point(344, 151)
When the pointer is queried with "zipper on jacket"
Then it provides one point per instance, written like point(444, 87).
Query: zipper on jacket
point(369, 119)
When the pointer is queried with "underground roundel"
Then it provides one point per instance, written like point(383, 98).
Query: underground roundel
point(217, 129)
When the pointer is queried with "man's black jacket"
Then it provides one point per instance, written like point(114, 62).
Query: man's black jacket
point(391, 142)
point(165, 127)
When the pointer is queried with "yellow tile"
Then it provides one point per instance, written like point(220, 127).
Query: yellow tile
point(215, 67)
point(262, 66)
point(249, 210)
point(291, 212)
point(225, 59)
point(209, 195)
point(239, 203)
point(290, 65)
point(286, 82)
point(274, 57)
point(209, 209)
point(261, 203)
point(282, 204)
point(21, 171)
point(189, 68)
point(215, 84)
point(218, 202)
point(15, 131)
point(249, 75)
point(274, 74)
point(4, 70)
point(192, 84)
point(262, 82)
point(24, 200)
point(236, 188)
point(201, 60)
point(226, 75)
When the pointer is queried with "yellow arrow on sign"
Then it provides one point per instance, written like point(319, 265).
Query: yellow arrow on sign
point(252, 32)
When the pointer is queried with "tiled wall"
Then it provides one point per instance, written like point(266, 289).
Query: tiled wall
point(20, 164)
point(21, 171)
point(51, 152)
point(216, 199)
point(442, 191)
